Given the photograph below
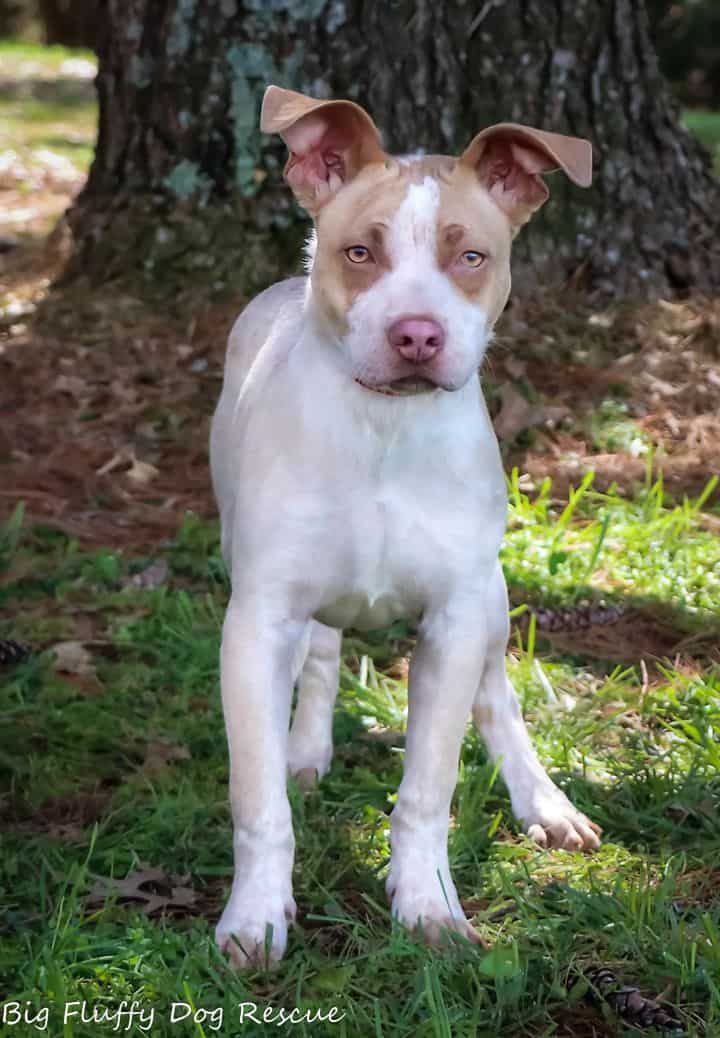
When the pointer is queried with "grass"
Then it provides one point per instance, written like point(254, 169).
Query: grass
point(107, 772)
point(48, 118)
point(45, 103)
point(65, 127)
point(21, 59)
point(705, 125)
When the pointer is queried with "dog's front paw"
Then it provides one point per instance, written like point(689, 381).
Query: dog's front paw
point(308, 759)
point(431, 909)
point(253, 930)
point(552, 821)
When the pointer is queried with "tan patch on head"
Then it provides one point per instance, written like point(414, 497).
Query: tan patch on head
point(468, 221)
point(361, 214)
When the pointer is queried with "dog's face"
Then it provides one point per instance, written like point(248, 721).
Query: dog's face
point(410, 261)
point(411, 270)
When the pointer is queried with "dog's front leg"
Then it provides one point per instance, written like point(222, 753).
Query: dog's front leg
point(256, 678)
point(444, 671)
point(546, 813)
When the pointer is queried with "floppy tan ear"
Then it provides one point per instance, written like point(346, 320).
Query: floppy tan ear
point(509, 159)
point(329, 142)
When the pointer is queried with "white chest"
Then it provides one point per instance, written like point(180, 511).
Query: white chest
point(403, 550)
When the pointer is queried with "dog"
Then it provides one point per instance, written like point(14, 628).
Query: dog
point(359, 481)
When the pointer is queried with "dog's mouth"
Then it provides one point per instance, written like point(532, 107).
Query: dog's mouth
point(411, 385)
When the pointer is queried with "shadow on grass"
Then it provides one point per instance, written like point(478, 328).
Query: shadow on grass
point(648, 627)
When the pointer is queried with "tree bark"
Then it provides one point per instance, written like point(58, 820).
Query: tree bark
point(183, 176)
point(72, 23)
point(14, 15)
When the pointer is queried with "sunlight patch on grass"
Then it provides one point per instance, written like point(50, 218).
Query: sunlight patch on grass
point(32, 127)
point(23, 60)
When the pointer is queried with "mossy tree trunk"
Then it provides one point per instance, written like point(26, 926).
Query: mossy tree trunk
point(184, 179)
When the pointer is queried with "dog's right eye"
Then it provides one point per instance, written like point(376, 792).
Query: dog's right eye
point(358, 254)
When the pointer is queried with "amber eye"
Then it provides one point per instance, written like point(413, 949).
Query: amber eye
point(358, 254)
point(473, 258)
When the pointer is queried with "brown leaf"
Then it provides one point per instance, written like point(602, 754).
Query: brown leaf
point(119, 458)
point(71, 385)
point(153, 889)
point(516, 413)
point(142, 471)
point(72, 658)
point(151, 577)
point(159, 753)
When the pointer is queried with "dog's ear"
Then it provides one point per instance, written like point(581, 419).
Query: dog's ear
point(329, 142)
point(509, 159)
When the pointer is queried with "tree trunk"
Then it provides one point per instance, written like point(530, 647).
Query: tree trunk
point(72, 23)
point(184, 179)
point(14, 16)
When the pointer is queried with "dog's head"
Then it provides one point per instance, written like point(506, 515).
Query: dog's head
point(410, 261)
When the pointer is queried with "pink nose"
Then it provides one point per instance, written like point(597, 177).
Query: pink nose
point(417, 339)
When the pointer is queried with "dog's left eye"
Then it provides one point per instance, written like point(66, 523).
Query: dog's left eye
point(358, 254)
point(471, 258)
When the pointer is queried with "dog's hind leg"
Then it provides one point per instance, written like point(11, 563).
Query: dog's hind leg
point(310, 745)
point(545, 812)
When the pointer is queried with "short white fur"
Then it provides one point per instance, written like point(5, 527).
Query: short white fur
point(344, 507)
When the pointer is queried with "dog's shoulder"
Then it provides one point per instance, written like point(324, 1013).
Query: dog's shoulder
point(272, 319)
point(278, 302)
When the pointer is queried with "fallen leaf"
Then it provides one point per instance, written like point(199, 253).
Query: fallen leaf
point(154, 889)
point(161, 752)
point(515, 367)
point(151, 577)
point(72, 658)
point(516, 413)
point(123, 392)
point(119, 458)
point(71, 385)
point(142, 471)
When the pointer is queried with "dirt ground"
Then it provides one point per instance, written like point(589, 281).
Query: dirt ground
point(105, 400)
point(105, 404)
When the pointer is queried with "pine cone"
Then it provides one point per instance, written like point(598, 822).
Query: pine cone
point(572, 618)
point(631, 1006)
point(12, 652)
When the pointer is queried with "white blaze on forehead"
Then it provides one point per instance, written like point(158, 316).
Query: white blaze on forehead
point(410, 158)
point(414, 285)
point(413, 230)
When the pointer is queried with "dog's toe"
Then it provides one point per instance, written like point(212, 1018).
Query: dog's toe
point(254, 936)
point(443, 932)
point(435, 917)
point(308, 759)
point(563, 827)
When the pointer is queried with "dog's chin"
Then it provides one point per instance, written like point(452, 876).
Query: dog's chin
point(410, 385)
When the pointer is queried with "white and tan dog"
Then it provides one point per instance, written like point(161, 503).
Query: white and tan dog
point(359, 481)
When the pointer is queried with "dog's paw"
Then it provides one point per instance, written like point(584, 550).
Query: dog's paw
point(306, 778)
point(308, 760)
point(253, 932)
point(552, 821)
point(433, 917)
